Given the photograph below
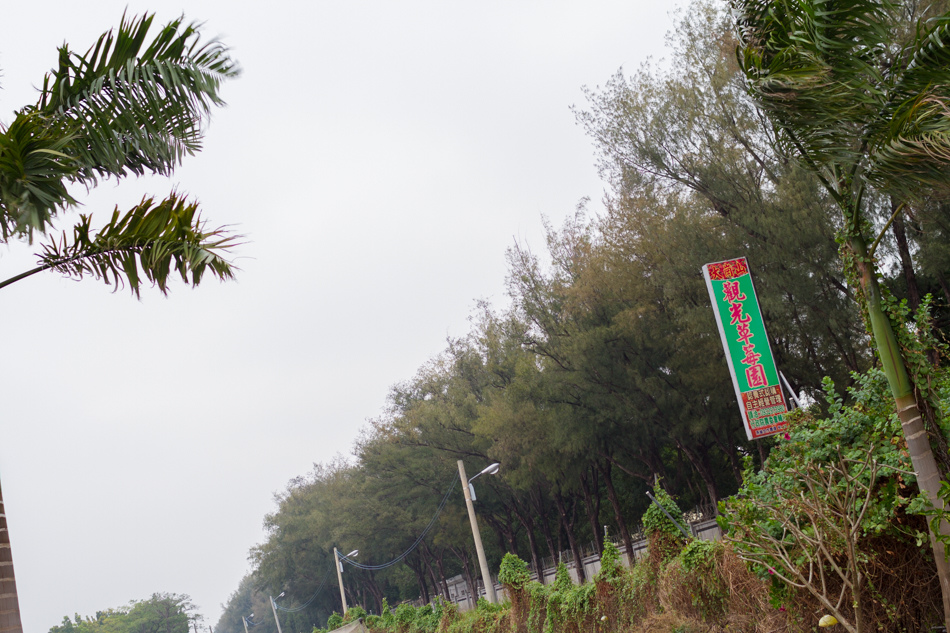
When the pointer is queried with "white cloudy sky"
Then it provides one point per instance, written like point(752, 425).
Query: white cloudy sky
point(380, 157)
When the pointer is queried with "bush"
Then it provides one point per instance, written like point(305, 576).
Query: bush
point(832, 502)
point(386, 617)
point(354, 613)
point(513, 572)
point(664, 537)
point(514, 575)
point(611, 568)
point(335, 621)
point(691, 584)
point(404, 616)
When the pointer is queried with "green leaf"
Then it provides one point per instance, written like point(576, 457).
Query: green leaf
point(143, 244)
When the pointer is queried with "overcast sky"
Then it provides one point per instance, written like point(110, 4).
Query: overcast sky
point(379, 157)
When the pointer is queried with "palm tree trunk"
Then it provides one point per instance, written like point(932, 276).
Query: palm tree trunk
point(9, 605)
point(912, 424)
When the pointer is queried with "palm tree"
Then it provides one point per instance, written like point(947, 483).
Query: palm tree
point(859, 90)
point(130, 105)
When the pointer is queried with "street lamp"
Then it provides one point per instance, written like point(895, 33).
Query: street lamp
point(339, 573)
point(273, 605)
point(469, 491)
point(490, 470)
point(244, 619)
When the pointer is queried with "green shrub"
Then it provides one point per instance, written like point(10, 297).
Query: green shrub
point(538, 595)
point(655, 520)
point(815, 481)
point(513, 572)
point(404, 616)
point(562, 578)
point(386, 617)
point(427, 619)
point(335, 621)
point(611, 567)
point(484, 618)
point(578, 601)
point(640, 595)
point(354, 613)
point(692, 583)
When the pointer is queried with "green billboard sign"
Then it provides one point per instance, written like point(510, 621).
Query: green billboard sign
point(748, 353)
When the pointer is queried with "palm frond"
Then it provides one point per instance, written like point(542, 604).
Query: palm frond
point(910, 142)
point(146, 243)
point(134, 108)
point(815, 65)
point(34, 167)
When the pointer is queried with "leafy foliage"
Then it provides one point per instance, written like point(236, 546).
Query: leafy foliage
point(130, 105)
point(354, 613)
point(655, 520)
point(611, 565)
point(589, 388)
point(149, 241)
point(693, 584)
point(335, 621)
point(166, 612)
point(832, 490)
point(513, 572)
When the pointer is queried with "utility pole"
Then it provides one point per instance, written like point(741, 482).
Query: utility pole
point(273, 606)
point(482, 561)
point(339, 577)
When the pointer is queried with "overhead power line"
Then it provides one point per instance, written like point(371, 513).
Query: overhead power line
point(312, 598)
point(445, 500)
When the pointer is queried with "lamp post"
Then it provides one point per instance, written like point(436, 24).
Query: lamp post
point(273, 605)
point(244, 619)
point(469, 491)
point(339, 574)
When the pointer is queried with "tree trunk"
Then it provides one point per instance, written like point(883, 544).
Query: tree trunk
point(618, 510)
point(463, 557)
point(700, 463)
point(912, 423)
point(440, 561)
point(943, 286)
point(425, 555)
point(375, 590)
point(528, 522)
point(568, 525)
point(539, 502)
point(417, 566)
point(590, 488)
point(907, 264)
point(729, 449)
point(9, 605)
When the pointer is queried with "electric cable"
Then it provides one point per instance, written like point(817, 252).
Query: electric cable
point(445, 500)
point(312, 598)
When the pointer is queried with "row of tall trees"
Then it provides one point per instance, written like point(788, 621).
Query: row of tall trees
point(605, 373)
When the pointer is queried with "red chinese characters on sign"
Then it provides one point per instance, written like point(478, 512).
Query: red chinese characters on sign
point(728, 270)
point(755, 373)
